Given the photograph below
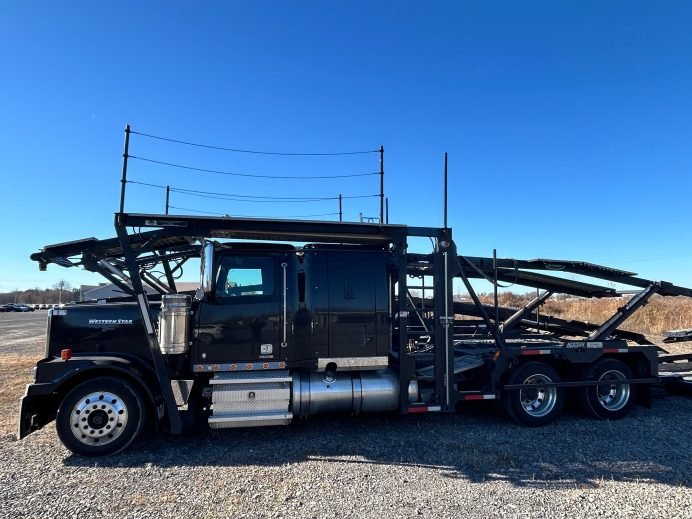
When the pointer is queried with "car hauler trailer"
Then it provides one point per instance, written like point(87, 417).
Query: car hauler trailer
point(349, 322)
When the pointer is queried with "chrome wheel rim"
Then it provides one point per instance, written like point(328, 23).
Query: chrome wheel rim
point(538, 401)
point(98, 418)
point(613, 397)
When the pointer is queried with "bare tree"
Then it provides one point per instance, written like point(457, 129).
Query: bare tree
point(61, 286)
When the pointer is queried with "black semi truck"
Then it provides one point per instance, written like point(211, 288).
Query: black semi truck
point(349, 321)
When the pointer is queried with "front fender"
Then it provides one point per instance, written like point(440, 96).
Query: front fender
point(55, 377)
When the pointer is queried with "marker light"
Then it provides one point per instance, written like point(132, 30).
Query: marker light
point(66, 354)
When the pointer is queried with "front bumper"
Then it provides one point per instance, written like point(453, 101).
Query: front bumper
point(37, 408)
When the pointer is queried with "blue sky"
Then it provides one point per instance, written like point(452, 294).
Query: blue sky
point(568, 125)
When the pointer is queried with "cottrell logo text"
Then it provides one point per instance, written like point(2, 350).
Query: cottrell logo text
point(110, 321)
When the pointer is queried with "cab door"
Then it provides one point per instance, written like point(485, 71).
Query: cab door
point(243, 320)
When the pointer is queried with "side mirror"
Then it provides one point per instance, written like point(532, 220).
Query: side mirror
point(207, 281)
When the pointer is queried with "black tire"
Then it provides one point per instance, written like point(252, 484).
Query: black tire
point(608, 401)
point(534, 407)
point(99, 417)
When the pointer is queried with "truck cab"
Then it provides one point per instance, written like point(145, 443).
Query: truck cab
point(306, 307)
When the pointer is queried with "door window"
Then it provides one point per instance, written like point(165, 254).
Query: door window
point(245, 276)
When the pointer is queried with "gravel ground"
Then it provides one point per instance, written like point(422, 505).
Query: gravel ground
point(470, 464)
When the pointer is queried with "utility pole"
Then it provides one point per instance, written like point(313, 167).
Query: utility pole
point(123, 180)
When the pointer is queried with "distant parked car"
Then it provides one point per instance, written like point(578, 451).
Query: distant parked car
point(2, 308)
point(21, 308)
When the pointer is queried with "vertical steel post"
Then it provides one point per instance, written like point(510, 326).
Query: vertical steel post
point(497, 310)
point(168, 194)
point(538, 312)
point(123, 180)
point(170, 407)
point(445, 200)
point(381, 184)
point(407, 365)
point(386, 213)
point(444, 323)
point(341, 213)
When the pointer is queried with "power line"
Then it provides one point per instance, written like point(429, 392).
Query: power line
point(268, 200)
point(232, 195)
point(246, 198)
point(235, 174)
point(255, 197)
point(256, 152)
point(241, 216)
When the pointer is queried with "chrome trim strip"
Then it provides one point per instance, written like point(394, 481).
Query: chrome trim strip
point(250, 380)
point(249, 418)
point(354, 362)
point(238, 366)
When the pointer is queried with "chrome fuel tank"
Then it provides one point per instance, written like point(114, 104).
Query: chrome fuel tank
point(355, 392)
point(174, 323)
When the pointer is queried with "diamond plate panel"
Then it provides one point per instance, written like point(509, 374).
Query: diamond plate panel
point(252, 404)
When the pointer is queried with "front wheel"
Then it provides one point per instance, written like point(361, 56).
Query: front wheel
point(535, 404)
point(610, 399)
point(99, 417)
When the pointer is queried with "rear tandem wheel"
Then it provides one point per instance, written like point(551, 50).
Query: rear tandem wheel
point(608, 400)
point(534, 406)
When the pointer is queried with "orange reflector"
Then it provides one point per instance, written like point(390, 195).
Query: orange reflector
point(66, 354)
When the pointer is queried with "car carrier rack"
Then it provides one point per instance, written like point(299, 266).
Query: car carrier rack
point(424, 309)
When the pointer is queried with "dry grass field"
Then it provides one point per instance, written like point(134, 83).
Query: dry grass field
point(15, 373)
point(659, 315)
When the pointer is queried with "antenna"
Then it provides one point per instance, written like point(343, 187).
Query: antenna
point(445, 195)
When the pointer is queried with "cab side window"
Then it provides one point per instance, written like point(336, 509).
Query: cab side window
point(246, 277)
